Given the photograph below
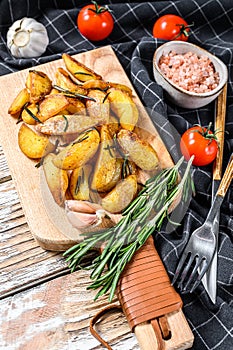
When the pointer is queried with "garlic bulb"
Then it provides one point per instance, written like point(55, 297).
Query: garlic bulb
point(27, 38)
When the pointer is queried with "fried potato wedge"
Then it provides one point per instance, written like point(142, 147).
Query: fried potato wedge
point(57, 179)
point(113, 125)
point(32, 144)
point(124, 107)
point(106, 167)
point(79, 70)
point(52, 105)
point(138, 150)
point(122, 87)
point(79, 152)
point(19, 102)
point(121, 195)
point(64, 81)
point(79, 183)
point(75, 106)
point(96, 84)
point(30, 114)
point(68, 124)
point(38, 84)
point(99, 107)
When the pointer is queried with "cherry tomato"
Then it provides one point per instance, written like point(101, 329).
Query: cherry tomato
point(171, 27)
point(95, 22)
point(200, 142)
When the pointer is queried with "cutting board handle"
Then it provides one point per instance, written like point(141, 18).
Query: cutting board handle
point(151, 305)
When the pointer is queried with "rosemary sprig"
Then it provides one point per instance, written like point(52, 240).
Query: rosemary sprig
point(66, 122)
point(72, 94)
point(139, 220)
point(32, 114)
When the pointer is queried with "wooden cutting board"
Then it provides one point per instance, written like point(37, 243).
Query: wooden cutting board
point(47, 221)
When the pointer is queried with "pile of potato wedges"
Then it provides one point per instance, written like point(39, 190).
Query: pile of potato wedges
point(81, 129)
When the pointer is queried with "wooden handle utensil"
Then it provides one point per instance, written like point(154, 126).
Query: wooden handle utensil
point(220, 127)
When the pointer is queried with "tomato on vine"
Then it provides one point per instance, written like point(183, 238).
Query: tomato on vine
point(95, 22)
point(201, 143)
point(171, 27)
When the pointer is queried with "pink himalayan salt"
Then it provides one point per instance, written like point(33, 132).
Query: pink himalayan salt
point(189, 71)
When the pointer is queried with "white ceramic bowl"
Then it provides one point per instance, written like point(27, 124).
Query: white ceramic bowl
point(178, 95)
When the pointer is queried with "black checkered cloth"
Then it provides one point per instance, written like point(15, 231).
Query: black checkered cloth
point(134, 46)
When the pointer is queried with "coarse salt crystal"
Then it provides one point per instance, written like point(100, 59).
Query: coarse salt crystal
point(190, 72)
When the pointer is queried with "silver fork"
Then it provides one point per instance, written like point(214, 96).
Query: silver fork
point(199, 251)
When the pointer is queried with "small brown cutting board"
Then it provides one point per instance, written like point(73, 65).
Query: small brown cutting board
point(47, 221)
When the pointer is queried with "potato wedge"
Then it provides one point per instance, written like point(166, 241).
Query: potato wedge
point(57, 179)
point(68, 124)
point(104, 177)
point(75, 106)
point(78, 69)
point(113, 125)
point(121, 195)
point(96, 84)
point(38, 84)
point(124, 107)
point(138, 150)
point(32, 144)
point(64, 81)
point(99, 107)
point(19, 102)
point(30, 114)
point(79, 152)
point(52, 105)
point(79, 183)
point(122, 87)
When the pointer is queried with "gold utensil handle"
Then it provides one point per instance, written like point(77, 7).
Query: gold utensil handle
point(219, 125)
point(227, 178)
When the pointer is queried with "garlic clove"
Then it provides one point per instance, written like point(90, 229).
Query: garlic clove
point(81, 220)
point(84, 214)
point(81, 206)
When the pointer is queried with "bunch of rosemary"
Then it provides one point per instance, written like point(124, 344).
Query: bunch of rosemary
point(140, 219)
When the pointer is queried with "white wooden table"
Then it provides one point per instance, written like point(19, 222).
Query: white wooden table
point(42, 305)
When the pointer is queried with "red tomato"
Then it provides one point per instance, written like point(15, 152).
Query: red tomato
point(200, 142)
point(95, 22)
point(171, 27)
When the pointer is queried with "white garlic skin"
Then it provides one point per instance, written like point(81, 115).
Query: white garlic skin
point(27, 38)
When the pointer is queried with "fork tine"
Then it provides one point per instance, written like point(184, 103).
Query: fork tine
point(193, 273)
point(180, 265)
point(185, 271)
point(203, 270)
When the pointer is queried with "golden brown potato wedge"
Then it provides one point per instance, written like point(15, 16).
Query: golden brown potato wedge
point(30, 114)
point(38, 84)
point(52, 105)
point(19, 102)
point(79, 152)
point(106, 167)
point(68, 124)
point(64, 81)
point(75, 106)
point(32, 144)
point(138, 150)
point(122, 87)
point(79, 183)
point(121, 195)
point(96, 84)
point(57, 179)
point(79, 70)
point(113, 125)
point(124, 107)
point(100, 107)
